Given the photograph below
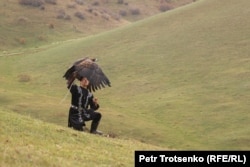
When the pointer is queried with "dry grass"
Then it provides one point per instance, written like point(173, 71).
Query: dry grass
point(104, 16)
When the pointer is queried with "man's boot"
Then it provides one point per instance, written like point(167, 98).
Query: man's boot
point(94, 130)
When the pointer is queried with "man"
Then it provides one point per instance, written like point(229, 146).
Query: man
point(83, 107)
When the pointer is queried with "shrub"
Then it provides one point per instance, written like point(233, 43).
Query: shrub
point(90, 10)
point(41, 38)
point(165, 7)
point(34, 3)
point(71, 5)
point(79, 15)
point(53, 2)
point(96, 3)
point(24, 78)
point(79, 2)
point(115, 16)
point(42, 7)
point(61, 14)
point(22, 20)
point(67, 17)
point(120, 1)
point(96, 13)
point(106, 16)
point(123, 13)
point(51, 26)
point(21, 40)
point(135, 11)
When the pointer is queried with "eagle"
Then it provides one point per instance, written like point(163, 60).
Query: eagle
point(87, 67)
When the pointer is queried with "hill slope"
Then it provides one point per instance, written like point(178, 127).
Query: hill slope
point(29, 24)
point(179, 79)
point(30, 142)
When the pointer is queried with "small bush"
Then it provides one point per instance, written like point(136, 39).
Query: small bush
point(165, 7)
point(115, 16)
point(51, 26)
point(61, 13)
point(96, 3)
point(123, 13)
point(71, 5)
point(79, 15)
point(24, 78)
point(120, 1)
point(42, 7)
point(53, 2)
point(105, 16)
point(96, 13)
point(90, 10)
point(34, 3)
point(135, 11)
point(22, 20)
point(41, 38)
point(80, 2)
point(21, 40)
point(67, 17)
point(60, 16)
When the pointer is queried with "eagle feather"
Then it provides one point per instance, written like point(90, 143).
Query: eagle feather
point(88, 68)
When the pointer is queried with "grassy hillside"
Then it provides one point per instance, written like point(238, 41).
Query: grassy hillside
point(29, 142)
point(25, 25)
point(179, 79)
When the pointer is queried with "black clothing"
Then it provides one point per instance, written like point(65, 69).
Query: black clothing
point(82, 109)
point(81, 97)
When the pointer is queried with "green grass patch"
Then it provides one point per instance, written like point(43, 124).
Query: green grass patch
point(26, 141)
point(179, 79)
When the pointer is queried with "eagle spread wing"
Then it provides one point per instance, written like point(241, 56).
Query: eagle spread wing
point(88, 68)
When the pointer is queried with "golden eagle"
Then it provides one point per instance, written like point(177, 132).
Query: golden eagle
point(88, 68)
